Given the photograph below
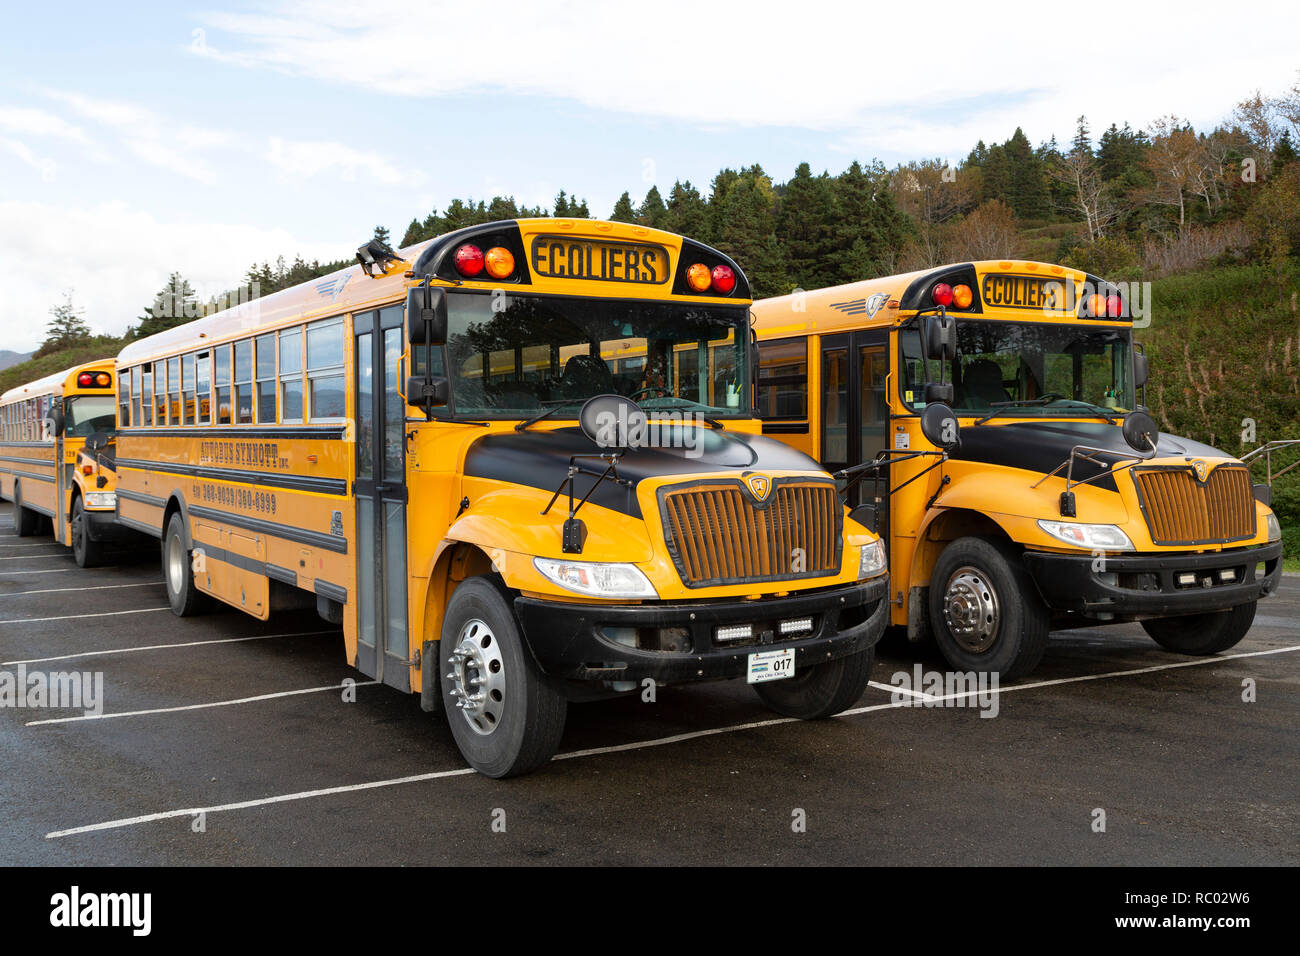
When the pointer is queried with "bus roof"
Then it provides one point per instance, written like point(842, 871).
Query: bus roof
point(882, 301)
point(351, 290)
point(55, 382)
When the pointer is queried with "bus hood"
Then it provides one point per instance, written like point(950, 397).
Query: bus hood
point(540, 459)
point(1043, 446)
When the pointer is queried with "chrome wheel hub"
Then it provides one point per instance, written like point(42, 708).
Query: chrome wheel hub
point(970, 609)
point(478, 678)
point(176, 565)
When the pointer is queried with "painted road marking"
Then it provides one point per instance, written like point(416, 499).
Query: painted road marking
point(162, 647)
point(621, 748)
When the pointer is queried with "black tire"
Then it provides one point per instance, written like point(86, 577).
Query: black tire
point(822, 690)
point(999, 622)
point(85, 552)
point(178, 572)
point(26, 522)
point(519, 722)
point(1202, 634)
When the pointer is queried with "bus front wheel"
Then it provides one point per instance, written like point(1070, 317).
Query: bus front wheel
point(822, 690)
point(506, 717)
point(985, 612)
point(84, 551)
point(1202, 634)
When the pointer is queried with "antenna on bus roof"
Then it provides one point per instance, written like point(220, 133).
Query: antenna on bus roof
point(378, 259)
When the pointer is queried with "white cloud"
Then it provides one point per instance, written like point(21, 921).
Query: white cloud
point(826, 65)
point(177, 147)
point(35, 122)
point(301, 159)
point(116, 258)
point(44, 166)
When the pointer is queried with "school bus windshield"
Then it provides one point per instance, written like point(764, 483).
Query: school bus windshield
point(88, 414)
point(514, 355)
point(1051, 365)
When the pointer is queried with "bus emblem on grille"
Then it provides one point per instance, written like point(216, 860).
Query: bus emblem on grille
point(759, 486)
point(1201, 469)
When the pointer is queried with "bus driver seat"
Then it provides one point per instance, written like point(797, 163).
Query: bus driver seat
point(982, 384)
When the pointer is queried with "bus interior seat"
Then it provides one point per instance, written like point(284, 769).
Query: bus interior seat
point(981, 385)
point(585, 376)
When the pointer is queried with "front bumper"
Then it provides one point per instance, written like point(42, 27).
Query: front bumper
point(1135, 586)
point(574, 641)
point(102, 525)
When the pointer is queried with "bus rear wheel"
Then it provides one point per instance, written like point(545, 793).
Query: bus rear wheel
point(506, 717)
point(822, 690)
point(1202, 634)
point(85, 552)
point(26, 521)
point(985, 612)
point(178, 571)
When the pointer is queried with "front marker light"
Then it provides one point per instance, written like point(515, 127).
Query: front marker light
point(101, 499)
point(1104, 537)
point(872, 560)
point(597, 579)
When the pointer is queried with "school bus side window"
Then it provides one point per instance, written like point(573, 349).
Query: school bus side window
point(174, 391)
point(146, 395)
point(266, 379)
point(291, 375)
point(325, 369)
point(160, 393)
point(203, 388)
point(783, 379)
point(124, 399)
point(221, 384)
point(244, 382)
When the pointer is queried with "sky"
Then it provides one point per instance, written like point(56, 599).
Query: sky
point(138, 139)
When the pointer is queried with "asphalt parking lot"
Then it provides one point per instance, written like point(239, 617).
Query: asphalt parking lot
point(225, 740)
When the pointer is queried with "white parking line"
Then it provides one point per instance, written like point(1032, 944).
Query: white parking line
point(207, 706)
point(161, 647)
point(618, 748)
point(98, 587)
point(9, 574)
point(63, 552)
point(77, 617)
point(890, 688)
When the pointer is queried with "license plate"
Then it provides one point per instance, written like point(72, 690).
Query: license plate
point(770, 665)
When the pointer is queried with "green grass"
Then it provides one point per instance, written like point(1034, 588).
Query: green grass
point(32, 369)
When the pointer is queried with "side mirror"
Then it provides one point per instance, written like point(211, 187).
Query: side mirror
point(427, 393)
point(426, 315)
point(940, 427)
point(939, 335)
point(1140, 432)
point(97, 441)
point(1141, 368)
point(608, 420)
point(938, 392)
point(54, 418)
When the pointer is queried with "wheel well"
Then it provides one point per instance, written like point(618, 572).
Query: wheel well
point(951, 524)
point(173, 507)
point(457, 563)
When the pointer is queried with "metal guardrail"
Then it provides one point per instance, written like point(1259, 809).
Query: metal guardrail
point(1265, 452)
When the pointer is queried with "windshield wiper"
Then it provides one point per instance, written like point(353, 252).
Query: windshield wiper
point(685, 403)
point(1043, 402)
point(559, 404)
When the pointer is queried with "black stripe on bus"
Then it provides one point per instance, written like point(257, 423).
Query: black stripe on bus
point(27, 474)
point(325, 486)
point(785, 428)
point(277, 573)
point(332, 433)
point(231, 558)
point(141, 497)
point(330, 542)
point(138, 525)
point(26, 444)
point(28, 461)
point(332, 591)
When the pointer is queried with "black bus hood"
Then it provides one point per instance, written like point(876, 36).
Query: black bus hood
point(1043, 446)
point(540, 459)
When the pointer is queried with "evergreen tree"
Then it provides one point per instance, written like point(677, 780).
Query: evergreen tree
point(381, 233)
point(652, 212)
point(869, 228)
point(623, 211)
point(806, 224)
point(688, 213)
point(1284, 152)
point(66, 326)
point(175, 304)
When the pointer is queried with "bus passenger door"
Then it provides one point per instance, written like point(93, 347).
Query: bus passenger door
point(855, 409)
point(380, 491)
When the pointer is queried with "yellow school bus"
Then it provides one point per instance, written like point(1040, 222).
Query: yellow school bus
point(519, 464)
point(1061, 504)
point(56, 443)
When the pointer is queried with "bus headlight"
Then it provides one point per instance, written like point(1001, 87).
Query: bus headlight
point(1274, 527)
point(101, 499)
point(597, 579)
point(872, 560)
point(1096, 537)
